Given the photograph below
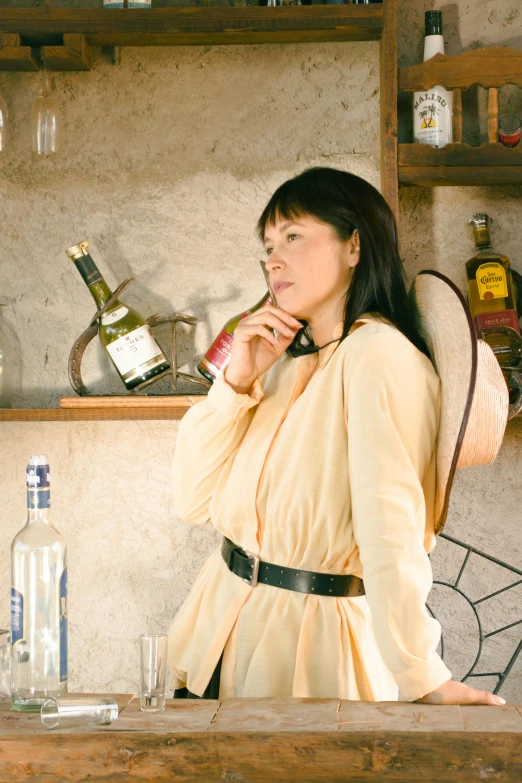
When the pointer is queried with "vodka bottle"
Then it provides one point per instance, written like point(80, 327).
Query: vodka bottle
point(433, 109)
point(38, 600)
point(123, 332)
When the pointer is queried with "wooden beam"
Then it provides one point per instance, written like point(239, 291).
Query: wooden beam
point(13, 56)
point(388, 100)
point(264, 740)
point(75, 54)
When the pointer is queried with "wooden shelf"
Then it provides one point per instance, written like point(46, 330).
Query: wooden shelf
point(195, 26)
point(460, 164)
point(107, 409)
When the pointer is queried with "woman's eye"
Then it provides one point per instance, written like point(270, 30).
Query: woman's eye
point(269, 250)
point(292, 237)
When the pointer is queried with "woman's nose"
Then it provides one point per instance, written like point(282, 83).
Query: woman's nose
point(274, 260)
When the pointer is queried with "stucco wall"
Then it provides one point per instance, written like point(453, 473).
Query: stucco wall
point(168, 159)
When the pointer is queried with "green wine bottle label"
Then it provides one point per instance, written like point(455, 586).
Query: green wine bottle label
point(17, 616)
point(88, 269)
point(63, 626)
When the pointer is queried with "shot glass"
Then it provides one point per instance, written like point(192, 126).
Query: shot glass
point(509, 129)
point(153, 650)
point(72, 712)
point(5, 663)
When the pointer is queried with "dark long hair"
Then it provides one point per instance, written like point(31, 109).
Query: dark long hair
point(347, 202)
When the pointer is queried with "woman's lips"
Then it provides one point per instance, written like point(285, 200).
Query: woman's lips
point(278, 287)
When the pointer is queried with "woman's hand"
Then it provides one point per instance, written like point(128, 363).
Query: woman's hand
point(453, 692)
point(255, 348)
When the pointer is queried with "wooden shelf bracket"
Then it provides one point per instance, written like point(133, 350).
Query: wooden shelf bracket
point(76, 54)
point(13, 56)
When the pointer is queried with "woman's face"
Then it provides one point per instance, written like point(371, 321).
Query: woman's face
point(310, 268)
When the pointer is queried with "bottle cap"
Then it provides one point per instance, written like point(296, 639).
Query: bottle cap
point(38, 459)
point(76, 251)
point(480, 220)
point(433, 23)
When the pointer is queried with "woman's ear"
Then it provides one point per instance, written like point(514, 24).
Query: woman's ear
point(354, 249)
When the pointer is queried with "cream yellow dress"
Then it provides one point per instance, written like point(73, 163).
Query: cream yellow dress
point(329, 469)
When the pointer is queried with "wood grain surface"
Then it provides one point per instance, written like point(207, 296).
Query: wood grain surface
point(261, 740)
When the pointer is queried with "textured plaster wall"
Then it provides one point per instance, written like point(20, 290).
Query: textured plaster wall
point(168, 159)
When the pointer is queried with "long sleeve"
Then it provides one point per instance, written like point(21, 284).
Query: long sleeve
point(208, 436)
point(392, 416)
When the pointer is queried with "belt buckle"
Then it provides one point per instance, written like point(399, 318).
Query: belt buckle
point(255, 568)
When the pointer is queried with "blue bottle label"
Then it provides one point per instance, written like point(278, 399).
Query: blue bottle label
point(63, 626)
point(17, 616)
point(38, 486)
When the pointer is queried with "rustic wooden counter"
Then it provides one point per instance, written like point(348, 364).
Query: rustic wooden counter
point(261, 740)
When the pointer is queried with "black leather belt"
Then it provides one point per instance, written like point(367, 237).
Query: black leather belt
point(253, 570)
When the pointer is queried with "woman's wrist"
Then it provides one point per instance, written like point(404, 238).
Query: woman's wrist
point(239, 385)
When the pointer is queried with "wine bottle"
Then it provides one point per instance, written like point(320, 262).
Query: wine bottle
point(492, 294)
point(433, 109)
point(123, 332)
point(38, 600)
point(218, 355)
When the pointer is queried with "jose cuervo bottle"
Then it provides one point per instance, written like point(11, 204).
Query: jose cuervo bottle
point(218, 355)
point(432, 109)
point(123, 332)
point(38, 600)
point(492, 294)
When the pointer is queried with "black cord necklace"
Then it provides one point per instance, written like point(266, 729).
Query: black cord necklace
point(298, 348)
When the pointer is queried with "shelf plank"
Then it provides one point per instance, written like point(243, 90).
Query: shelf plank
point(107, 409)
point(487, 155)
point(460, 164)
point(196, 26)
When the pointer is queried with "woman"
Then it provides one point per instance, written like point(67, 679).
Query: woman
point(317, 464)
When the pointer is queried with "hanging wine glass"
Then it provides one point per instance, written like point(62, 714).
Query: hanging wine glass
point(46, 122)
point(3, 124)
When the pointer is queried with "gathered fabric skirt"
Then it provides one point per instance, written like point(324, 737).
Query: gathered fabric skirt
point(211, 691)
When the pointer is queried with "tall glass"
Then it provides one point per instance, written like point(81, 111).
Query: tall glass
point(153, 648)
point(76, 711)
point(3, 124)
point(46, 123)
point(5, 663)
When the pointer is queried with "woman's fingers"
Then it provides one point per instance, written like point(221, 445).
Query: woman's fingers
point(453, 692)
point(267, 319)
point(259, 330)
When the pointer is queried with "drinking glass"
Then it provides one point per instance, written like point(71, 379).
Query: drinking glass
point(46, 123)
point(3, 124)
point(509, 129)
point(5, 663)
point(71, 712)
point(153, 648)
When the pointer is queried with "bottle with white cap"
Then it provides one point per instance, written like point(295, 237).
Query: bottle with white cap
point(433, 108)
point(38, 600)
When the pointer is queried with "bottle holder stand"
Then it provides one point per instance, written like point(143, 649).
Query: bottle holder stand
point(78, 350)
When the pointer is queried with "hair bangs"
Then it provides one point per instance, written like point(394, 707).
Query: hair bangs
point(289, 202)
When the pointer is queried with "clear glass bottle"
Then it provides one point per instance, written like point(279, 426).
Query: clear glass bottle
point(492, 296)
point(218, 355)
point(433, 108)
point(38, 600)
point(7, 368)
point(123, 333)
